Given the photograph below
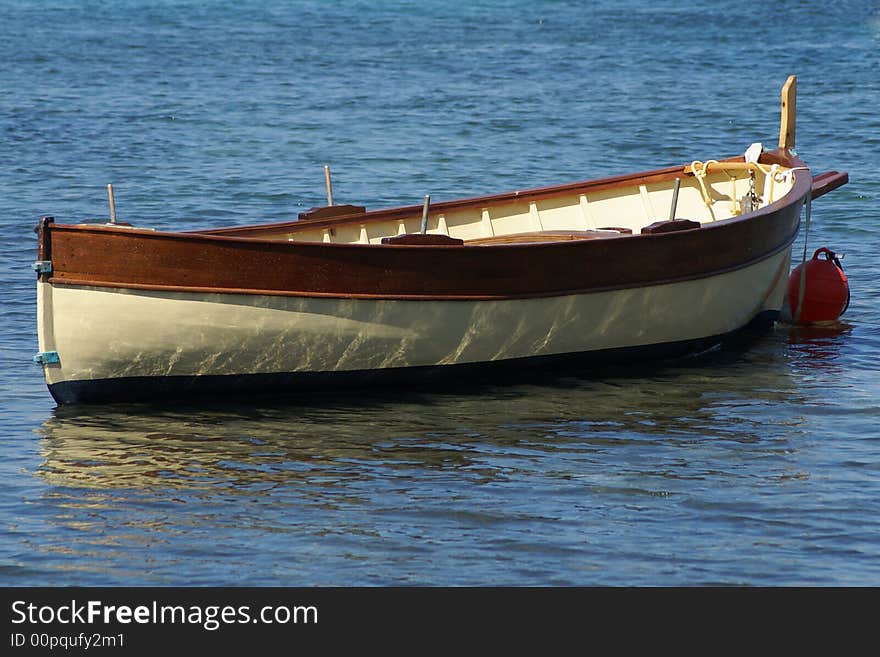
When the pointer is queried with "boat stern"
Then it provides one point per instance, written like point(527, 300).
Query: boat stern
point(47, 356)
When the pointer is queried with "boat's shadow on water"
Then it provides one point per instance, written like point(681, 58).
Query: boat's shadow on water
point(329, 438)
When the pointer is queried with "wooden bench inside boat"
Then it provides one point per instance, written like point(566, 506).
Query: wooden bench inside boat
point(551, 236)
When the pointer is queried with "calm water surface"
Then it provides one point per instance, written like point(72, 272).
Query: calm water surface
point(758, 464)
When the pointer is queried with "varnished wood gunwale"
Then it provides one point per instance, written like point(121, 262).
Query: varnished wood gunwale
point(671, 278)
point(104, 256)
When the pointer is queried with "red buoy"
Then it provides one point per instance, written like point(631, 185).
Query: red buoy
point(826, 290)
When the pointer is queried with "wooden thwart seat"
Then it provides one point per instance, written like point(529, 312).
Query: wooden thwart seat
point(672, 226)
point(331, 212)
point(550, 236)
point(420, 239)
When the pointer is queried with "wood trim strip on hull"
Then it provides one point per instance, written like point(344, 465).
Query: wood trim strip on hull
point(425, 297)
point(137, 259)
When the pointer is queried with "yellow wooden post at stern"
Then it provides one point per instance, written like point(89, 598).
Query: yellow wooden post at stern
point(789, 110)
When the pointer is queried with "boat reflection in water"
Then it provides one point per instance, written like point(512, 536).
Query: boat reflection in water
point(372, 488)
point(819, 343)
point(317, 445)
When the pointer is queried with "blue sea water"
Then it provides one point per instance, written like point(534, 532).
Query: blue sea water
point(752, 466)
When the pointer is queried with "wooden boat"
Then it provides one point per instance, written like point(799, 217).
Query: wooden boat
point(662, 262)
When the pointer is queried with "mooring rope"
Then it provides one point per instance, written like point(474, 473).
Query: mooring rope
point(803, 282)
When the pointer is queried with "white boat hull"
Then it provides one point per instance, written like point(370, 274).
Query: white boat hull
point(109, 338)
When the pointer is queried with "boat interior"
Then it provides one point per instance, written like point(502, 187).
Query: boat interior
point(661, 201)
